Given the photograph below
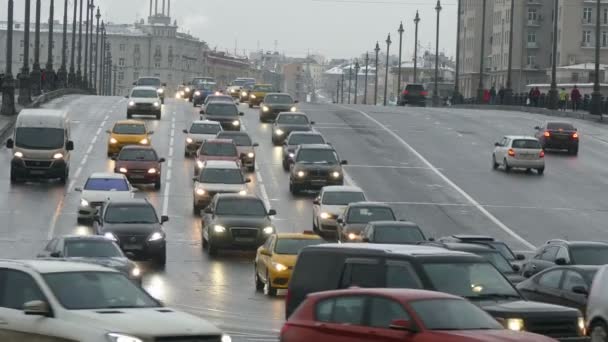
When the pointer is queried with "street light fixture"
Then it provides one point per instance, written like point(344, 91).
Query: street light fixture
point(24, 85)
point(481, 56)
point(357, 67)
point(436, 100)
point(416, 21)
point(596, 96)
point(401, 30)
point(377, 50)
point(388, 46)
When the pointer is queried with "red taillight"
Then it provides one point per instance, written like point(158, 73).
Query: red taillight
point(575, 135)
point(511, 152)
point(547, 133)
point(542, 154)
point(405, 92)
point(424, 93)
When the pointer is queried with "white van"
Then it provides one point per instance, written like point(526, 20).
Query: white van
point(41, 145)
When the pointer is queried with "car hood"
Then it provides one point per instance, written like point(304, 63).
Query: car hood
point(118, 263)
point(137, 164)
point(131, 228)
point(333, 209)
point(354, 227)
point(215, 187)
point(143, 100)
point(502, 335)
point(146, 322)
point(293, 128)
point(243, 221)
point(523, 308)
point(102, 196)
point(221, 118)
point(201, 137)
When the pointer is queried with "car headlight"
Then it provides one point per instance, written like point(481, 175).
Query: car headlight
point(242, 192)
point(200, 192)
point(250, 154)
point(115, 337)
point(515, 324)
point(113, 141)
point(236, 123)
point(581, 326)
point(279, 267)
point(244, 93)
point(156, 236)
point(152, 170)
point(123, 170)
point(110, 236)
point(144, 141)
point(265, 109)
point(58, 156)
point(252, 96)
point(199, 164)
point(156, 104)
point(291, 155)
point(131, 103)
point(187, 89)
point(197, 93)
point(294, 109)
point(217, 93)
point(268, 230)
point(336, 174)
point(189, 140)
point(352, 236)
point(301, 174)
point(160, 91)
point(325, 216)
point(226, 338)
point(135, 272)
point(279, 132)
point(84, 203)
point(18, 154)
point(219, 229)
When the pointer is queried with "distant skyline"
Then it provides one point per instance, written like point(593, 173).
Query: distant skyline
point(332, 28)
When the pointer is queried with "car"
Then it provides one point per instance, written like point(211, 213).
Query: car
point(428, 268)
point(561, 285)
point(55, 300)
point(275, 259)
point(295, 139)
point(503, 248)
point(275, 103)
point(562, 252)
point(357, 215)
point(330, 204)
point(519, 152)
point(140, 164)
point(511, 272)
point(199, 132)
point(127, 132)
point(200, 92)
point(395, 315)
point(215, 98)
point(216, 149)
point(235, 87)
point(245, 89)
point(258, 92)
point(392, 232)
point(154, 82)
point(244, 145)
point(233, 221)
point(217, 177)
point(286, 123)
point(181, 93)
point(558, 135)
point(134, 225)
point(144, 101)
point(93, 249)
point(413, 94)
point(597, 307)
point(314, 167)
point(99, 188)
point(227, 114)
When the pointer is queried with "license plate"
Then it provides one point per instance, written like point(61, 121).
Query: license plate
point(318, 181)
point(132, 247)
point(243, 239)
point(137, 176)
point(37, 172)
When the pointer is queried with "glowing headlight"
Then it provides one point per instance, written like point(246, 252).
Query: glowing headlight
point(197, 93)
point(123, 170)
point(178, 96)
point(84, 203)
point(279, 132)
point(252, 96)
point(110, 236)
point(136, 272)
point(114, 337)
point(515, 324)
point(236, 123)
point(217, 93)
point(265, 109)
point(335, 174)
point(160, 91)
point(233, 90)
point(189, 140)
point(352, 236)
point(113, 141)
point(226, 338)
point(291, 155)
point(293, 109)
point(250, 155)
point(581, 326)
point(155, 236)
point(242, 192)
point(156, 104)
point(58, 156)
point(200, 192)
point(18, 154)
point(279, 267)
point(144, 141)
point(152, 170)
point(131, 103)
point(268, 230)
point(219, 229)
point(199, 164)
point(244, 93)
point(187, 89)
point(301, 174)
point(325, 216)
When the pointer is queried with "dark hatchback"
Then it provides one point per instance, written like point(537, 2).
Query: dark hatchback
point(357, 215)
point(340, 266)
point(275, 103)
point(135, 227)
point(295, 139)
point(227, 114)
point(314, 167)
point(559, 136)
point(413, 94)
point(140, 164)
point(287, 123)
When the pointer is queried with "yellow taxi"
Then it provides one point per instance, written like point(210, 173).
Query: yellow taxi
point(258, 92)
point(275, 259)
point(127, 132)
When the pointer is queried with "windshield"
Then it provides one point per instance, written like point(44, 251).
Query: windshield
point(106, 184)
point(144, 93)
point(560, 126)
point(531, 144)
point(497, 260)
point(278, 99)
point(219, 149)
point(132, 154)
point(205, 86)
point(39, 138)
point(129, 129)
point(320, 156)
point(92, 249)
point(589, 255)
point(292, 119)
point(238, 139)
point(130, 214)
point(154, 82)
point(503, 249)
point(293, 246)
point(220, 109)
point(397, 235)
point(205, 128)
point(221, 176)
point(305, 139)
point(475, 280)
point(240, 207)
point(342, 197)
point(238, 83)
point(97, 290)
point(370, 214)
point(216, 98)
point(453, 314)
point(203, 80)
point(262, 88)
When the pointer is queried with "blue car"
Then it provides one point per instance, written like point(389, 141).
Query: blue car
point(201, 91)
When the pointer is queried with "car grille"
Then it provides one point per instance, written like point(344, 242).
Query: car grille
point(553, 327)
point(319, 173)
point(244, 232)
point(131, 239)
point(144, 105)
point(213, 338)
point(38, 163)
point(137, 171)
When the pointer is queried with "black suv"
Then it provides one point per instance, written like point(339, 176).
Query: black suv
point(561, 252)
point(295, 139)
point(340, 266)
point(414, 94)
point(274, 104)
point(134, 225)
point(315, 166)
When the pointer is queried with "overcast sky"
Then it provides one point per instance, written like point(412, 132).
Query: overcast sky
point(333, 28)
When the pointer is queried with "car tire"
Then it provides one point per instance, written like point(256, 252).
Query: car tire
point(259, 284)
point(211, 249)
point(269, 290)
point(186, 154)
point(494, 163)
point(129, 115)
point(294, 189)
point(162, 100)
point(315, 226)
point(573, 151)
point(196, 210)
point(64, 179)
point(161, 259)
point(285, 165)
point(541, 171)
point(507, 167)
point(250, 105)
point(158, 116)
point(157, 185)
point(598, 332)
point(14, 178)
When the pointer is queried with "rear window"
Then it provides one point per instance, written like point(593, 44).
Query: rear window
point(205, 128)
point(219, 149)
point(411, 87)
point(129, 129)
point(525, 143)
point(560, 126)
point(397, 235)
point(304, 139)
point(238, 139)
point(263, 88)
point(293, 246)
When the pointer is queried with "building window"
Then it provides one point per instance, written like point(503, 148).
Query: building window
point(587, 14)
point(586, 37)
point(135, 75)
point(532, 14)
point(123, 47)
point(531, 60)
point(121, 62)
point(605, 15)
point(121, 76)
point(604, 39)
point(531, 37)
point(136, 48)
point(157, 65)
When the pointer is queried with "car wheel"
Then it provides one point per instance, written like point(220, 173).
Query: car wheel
point(573, 151)
point(250, 105)
point(186, 154)
point(494, 163)
point(195, 209)
point(162, 101)
point(63, 179)
point(161, 259)
point(204, 242)
point(262, 119)
point(157, 185)
point(158, 116)
point(315, 226)
point(598, 332)
point(129, 115)
point(285, 165)
point(507, 167)
point(268, 289)
point(294, 189)
point(14, 178)
point(211, 249)
point(541, 171)
point(259, 284)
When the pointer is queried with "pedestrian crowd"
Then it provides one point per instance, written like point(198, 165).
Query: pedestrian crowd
point(535, 98)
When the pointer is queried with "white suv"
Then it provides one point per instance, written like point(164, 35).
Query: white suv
point(519, 152)
point(45, 300)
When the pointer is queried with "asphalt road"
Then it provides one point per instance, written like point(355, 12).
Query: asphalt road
point(432, 165)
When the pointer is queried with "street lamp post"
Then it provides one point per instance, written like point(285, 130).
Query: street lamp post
point(388, 47)
point(62, 75)
point(481, 56)
point(79, 71)
point(36, 73)
point(350, 79)
point(436, 100)
point(456, 93)
point(24, 85)
point(85, 76)
point(8, 82)
point(72, 74)
point(553, 100)
point(50, 81)
point(338, 91)
point(509, 89)
point(377, 50)
point(366, 72)
point(97, 16)
point(596, 96)
point(115, 69)
point(416, 21)
point(342, 86)
point(401, 30)
point(357, 68)
point(92, 9)
point(102, 59)
point(109, 68)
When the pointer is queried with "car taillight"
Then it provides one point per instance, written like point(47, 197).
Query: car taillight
point(542, 154)
point(547, 134)
point(575, 136)
point(424, 93)
point(511, 152)
point(405, 92)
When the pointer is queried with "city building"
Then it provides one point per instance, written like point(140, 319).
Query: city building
point(294, 80)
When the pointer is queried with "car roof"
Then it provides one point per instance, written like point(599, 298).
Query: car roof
point(138, 147)
point(221, 164)
point(305, 133)
point(210, 97)
point(316, 147)
point(341, 188)
point(402, 294)
point(300, 236)
point(282, 94)
point(369, 204)
point(394, 224)
point(264, 84)
point(222, 103)
point(292, 113)
point(411, 250)
point(206, 122)
point(154, 77)
point(85, 237)
point(54, 266)
point(219, 141)
point(233, 133)
point(476, 238)
point(129, 122)
point(235, 196)
point(143, 88)
point(107, 175)
point(524, 137)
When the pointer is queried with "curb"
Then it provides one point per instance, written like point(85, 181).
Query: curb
point(534, 110)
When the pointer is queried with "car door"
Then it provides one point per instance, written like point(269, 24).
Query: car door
point(546, 287)
point(264, 260)
point(381, 313)
point(500, 149)
point(341, 319)
point(570, 298)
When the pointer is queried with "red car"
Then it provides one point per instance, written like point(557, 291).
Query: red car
point(140, 164)
point(395, 315)
point(216, 149)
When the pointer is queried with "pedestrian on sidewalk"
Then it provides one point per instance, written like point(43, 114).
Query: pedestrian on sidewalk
point(486, 96)
point(493, 95)
point(575, 97)
point(563, 99)
point(535, 96)
point(501, 95)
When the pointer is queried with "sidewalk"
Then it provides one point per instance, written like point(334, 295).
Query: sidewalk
point(583, 115)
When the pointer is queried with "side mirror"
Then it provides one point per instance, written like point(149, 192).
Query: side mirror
point(185, 131)
point(134, 83)
point(496, 144)
point(164, 219)
point(365, 239)
point(516, 268)
point(241, 113)
point(150, 132)
point(255, 145)
point(113, 158)
point(130, 255)
point(78, 189)
point(69, 145)
point(195, 179)
point(36, 308)
point(520, 257)
point(248, 180)
point(560, 261)
point(108, 131)
point(10, 143)
point(296, 101)
point(162, 160)
point(344, 162)
point(432, 239)
point(402, 324)
point(316, 201)
point(55, 255)
point(202, 111)
point(126, 96)
point(537, 128)
point(272, 212)
point(208, 210)
point(580, 290)
point(340, 220)
point(312, 122)
point(164, 84)
point(265, 252)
